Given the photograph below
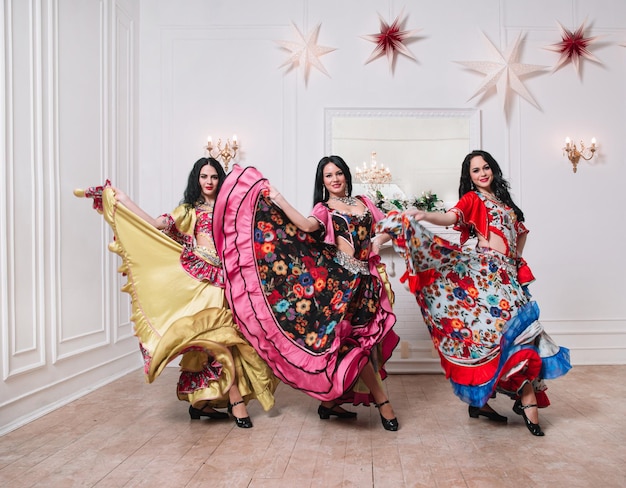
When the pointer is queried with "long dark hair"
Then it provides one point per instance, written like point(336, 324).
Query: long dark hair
point(319, 193)
point(499, 185)
point(193, 192)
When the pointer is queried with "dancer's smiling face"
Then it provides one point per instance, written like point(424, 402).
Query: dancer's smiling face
point(481, 174)
point(208, 181)
point(334, 180)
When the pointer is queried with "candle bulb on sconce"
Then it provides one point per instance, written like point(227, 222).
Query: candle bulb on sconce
point(225, 153)
point(574, 154)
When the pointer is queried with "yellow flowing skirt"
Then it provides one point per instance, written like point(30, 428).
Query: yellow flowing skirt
point(175, 314)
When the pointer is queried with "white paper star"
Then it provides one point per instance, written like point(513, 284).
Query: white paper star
point(305, 52)
point(504, 73)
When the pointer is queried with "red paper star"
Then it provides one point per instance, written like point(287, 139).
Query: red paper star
point(573, 47)
point(390, 41)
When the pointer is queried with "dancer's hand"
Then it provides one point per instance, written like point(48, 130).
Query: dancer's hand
point(375, 246)
point(415, 213)
point(274, 194)
point(120, 195)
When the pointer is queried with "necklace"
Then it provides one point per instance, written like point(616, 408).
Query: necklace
point(205, 205)
point(349, 201)
point(490, 196)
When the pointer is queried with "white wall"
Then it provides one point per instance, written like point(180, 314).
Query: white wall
point(130, 90)
point(69, 119)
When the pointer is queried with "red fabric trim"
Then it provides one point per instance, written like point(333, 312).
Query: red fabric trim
point(419, 280)
point(524, 274)
point(483, 373)
point(470, 375)
point(542, 399)
point(528, 373)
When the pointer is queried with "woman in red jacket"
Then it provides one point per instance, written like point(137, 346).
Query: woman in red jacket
point(475, 300)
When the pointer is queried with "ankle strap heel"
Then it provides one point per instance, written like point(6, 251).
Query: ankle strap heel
point(535, 429)
point(245, 422)
point(388, 424)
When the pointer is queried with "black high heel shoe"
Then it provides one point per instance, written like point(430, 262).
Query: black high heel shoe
point(244, 422)
point(326, 412)
point(475, 412)
point(388, 424)
point(517, 407)
point(535, 429)
point(196, 413)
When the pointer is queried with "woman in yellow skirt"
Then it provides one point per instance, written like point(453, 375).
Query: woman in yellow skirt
point(176, 283)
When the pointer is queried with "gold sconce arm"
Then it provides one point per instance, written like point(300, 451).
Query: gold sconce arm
point(574, 154)
point(224, 153)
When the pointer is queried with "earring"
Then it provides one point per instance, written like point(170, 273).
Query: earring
point(347, 192)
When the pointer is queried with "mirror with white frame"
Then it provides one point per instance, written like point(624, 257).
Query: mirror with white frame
point(423, 148)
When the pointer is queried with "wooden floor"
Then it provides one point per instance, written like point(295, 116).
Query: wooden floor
point(131, 434)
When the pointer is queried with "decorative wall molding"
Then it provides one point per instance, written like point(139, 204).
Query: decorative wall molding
point(24, 232)
point(124, 116)
point(5, 139)
point(68, 340)
point(69, 111)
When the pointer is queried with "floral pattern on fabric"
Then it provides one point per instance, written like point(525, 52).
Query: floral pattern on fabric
point(469, 300)
point(466, 296)
point(192, 381)
point(191, 258)
point(147, 359)
point(95, 192)
point(479, 316)
point(357, 230)
point(308, 291)
point(291, 297)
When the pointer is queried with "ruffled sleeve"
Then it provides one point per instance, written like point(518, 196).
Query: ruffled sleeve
point(181, 225)
point(324, 217)
point(472, 213)
point(520, 228)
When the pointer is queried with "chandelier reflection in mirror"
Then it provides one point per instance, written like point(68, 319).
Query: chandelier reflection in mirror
point(373, 175)
point(574, 154)
point(225, 153)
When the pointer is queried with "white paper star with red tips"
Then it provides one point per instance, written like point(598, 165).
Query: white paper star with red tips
point(390, 40)
point(573, 47)
point(504, 73)
point(305, 52)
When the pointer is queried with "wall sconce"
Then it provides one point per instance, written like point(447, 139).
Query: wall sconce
point(574, 154)
point(226, 153)
point(373, 175)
